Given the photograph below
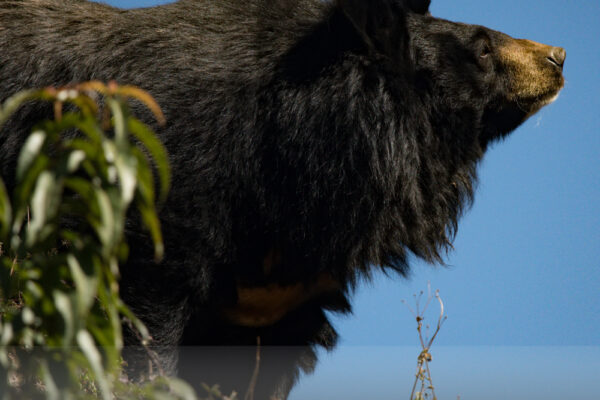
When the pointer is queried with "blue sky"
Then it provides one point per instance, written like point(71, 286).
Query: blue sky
point(525, 269)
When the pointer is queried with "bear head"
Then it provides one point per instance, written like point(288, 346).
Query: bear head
point(462, 64)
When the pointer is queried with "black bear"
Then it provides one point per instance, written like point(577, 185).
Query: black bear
point(311, 142)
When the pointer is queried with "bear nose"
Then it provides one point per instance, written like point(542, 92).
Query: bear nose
point(557, 56)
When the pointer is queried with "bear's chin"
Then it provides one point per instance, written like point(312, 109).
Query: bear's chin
point(498, 122)
point(544, 101)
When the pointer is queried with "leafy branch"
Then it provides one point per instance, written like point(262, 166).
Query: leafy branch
point(62, 239)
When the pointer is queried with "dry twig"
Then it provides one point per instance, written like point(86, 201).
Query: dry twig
point(423, 374)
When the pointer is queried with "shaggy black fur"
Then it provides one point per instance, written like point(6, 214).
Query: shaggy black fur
point(309, 140)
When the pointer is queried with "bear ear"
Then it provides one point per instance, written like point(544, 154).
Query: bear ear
point(380, 23)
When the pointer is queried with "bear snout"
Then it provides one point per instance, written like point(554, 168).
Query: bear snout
point(534, 72)
point(557, 57)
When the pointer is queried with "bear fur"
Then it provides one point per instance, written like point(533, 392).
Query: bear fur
point(311, 142)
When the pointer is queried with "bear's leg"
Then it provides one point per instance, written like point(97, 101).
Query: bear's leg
point(228, 354)
point(163, 308)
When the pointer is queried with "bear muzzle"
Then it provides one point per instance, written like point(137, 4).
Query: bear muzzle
point(534, 72)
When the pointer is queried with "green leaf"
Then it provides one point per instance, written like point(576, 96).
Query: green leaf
point(74, 160)
point(30, 150)
point(86, 190)
point(86, 105)
point(110, 301)
point(90, 127)
point(156, 149)
point(94, 162)
point(33, 288)
point(5, 214)
point(145, 179)
point(137, 323)
point(90, 149)
point(181, 389)
point(152, 222)
point(126, 165)
point(62, 302)
point(86, 343)
point(7, 334)
point(51, 391)
point(85, 286)
point(23, 192)
point(106, 229)
point(44, 206)
point(119, 121)
point(14, 102)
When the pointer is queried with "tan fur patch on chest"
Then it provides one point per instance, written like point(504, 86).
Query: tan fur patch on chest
point(265, 305)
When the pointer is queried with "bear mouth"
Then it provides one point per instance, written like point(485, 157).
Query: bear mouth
point(504, 116)
point(550, 98)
